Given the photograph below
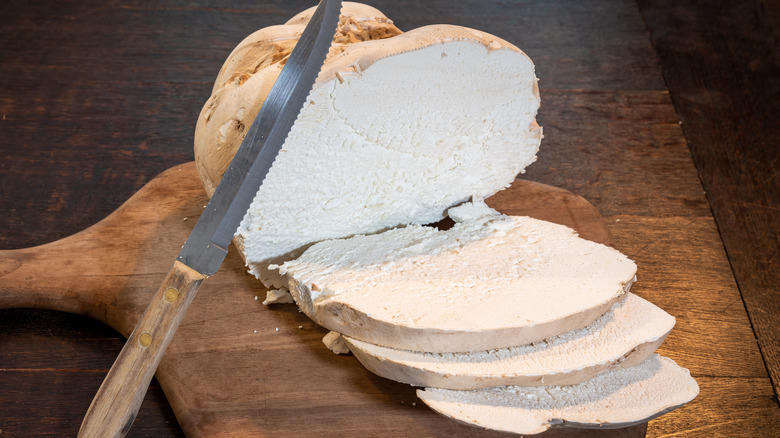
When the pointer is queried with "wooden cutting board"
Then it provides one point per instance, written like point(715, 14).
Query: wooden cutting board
point(236, 367)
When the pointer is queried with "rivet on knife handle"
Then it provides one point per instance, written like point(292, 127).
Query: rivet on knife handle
point(117, 402)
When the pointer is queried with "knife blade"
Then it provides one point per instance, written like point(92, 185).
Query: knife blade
point(119, 398)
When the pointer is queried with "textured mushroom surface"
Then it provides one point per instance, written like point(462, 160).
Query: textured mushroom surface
point(617, 398)
point(623, 337)
point(398, 128)
point(491, 281)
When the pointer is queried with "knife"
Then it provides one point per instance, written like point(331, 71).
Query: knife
point(119, 398)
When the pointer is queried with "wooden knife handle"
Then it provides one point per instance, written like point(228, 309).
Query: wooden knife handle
point(119, 398)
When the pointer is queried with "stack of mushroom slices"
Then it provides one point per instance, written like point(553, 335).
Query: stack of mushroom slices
point(509, 323)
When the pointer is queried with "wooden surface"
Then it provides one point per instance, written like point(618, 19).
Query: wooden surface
point(730, 112)
point(99, 97)
point(235, 367)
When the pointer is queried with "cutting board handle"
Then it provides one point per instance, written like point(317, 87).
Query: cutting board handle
point(36, 278)
point(95, 272)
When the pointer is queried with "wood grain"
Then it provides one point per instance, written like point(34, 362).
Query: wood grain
point(725, 81)
point(681, 271)
point(38, 410)
point(728, 401)
point(619, 150)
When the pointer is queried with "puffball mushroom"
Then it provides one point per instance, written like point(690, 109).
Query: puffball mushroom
point(399, 127)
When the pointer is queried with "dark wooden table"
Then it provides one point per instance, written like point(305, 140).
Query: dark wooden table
point(663, 114)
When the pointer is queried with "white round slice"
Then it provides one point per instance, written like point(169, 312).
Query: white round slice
point(617, 398)
point(398, 128)
point(623, 337)
point(489, 282)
